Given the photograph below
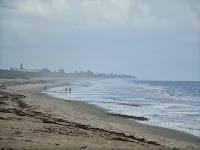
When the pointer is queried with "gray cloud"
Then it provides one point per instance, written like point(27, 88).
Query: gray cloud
point(152, 39)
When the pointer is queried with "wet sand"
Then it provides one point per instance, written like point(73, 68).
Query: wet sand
point(32, 120)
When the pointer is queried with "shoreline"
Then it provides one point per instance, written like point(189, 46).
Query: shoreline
point(140, 119)
point(82, 116)
point(132, 121)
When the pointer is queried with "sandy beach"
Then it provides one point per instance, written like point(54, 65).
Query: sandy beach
point(30, 119)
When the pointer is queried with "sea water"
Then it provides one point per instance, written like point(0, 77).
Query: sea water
point(170, 104)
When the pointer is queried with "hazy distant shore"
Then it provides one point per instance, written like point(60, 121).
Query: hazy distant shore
point(32, 120)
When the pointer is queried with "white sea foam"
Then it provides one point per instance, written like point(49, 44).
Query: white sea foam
point(172, 105)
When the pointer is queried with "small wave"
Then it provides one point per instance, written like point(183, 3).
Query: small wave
point(174, 105)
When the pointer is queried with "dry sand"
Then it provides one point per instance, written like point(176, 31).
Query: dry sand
point(32, 120)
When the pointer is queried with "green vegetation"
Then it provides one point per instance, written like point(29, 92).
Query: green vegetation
point(26, 74)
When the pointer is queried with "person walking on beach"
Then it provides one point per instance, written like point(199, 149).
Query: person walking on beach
point(70, 90)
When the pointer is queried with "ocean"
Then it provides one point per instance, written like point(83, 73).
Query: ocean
point(169, 104)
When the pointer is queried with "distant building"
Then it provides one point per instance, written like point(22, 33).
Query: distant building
point(61, 71)
point(21, 67)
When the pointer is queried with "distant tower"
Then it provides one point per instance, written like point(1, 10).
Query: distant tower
point(21, 67)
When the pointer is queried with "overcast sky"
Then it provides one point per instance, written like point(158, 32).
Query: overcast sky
point(152, 39)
